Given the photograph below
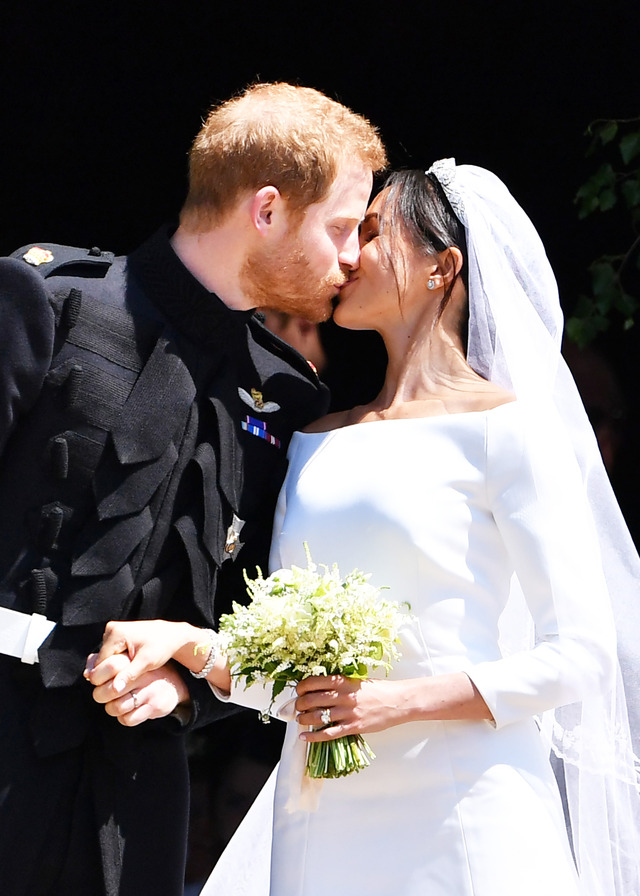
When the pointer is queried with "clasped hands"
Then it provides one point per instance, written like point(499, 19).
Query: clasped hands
point(135, 679)
point(133, 674)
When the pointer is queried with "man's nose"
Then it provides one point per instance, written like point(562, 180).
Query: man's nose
point(349, 255)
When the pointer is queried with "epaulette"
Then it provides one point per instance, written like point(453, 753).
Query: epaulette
point(50, 258)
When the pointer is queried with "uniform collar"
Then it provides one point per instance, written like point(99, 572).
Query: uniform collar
point(189, 306)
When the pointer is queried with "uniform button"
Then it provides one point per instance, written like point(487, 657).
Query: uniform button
point(60, 457)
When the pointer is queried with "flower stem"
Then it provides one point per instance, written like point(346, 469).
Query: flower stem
point(336, 758)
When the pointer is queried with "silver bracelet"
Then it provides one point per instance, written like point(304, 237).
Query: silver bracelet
point(212, 653)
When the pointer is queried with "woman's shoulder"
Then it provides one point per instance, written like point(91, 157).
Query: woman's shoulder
point(487, 398)
point(528, 439)
point(336, 420)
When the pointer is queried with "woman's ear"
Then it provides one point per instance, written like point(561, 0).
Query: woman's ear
point(450, 262)
point(442, 270)
point(266, 206)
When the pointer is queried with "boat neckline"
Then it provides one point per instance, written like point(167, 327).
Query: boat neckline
point(466, 414)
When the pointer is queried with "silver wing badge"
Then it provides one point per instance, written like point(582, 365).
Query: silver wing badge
point(256, 401)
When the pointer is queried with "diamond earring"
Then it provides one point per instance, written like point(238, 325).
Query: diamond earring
point(431, 283)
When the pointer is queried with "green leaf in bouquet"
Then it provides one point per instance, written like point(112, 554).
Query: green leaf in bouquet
point(361, 670)
point(278, 686)
point(269, 668)
point(312, 621)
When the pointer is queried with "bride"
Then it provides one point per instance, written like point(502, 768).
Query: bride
point(472, 488)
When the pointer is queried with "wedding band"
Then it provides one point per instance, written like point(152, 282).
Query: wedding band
point(135, 699)
point(325, 716)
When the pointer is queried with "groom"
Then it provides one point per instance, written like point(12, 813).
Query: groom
point(145, 413)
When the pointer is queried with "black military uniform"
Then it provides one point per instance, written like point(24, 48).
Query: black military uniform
point(143, 431)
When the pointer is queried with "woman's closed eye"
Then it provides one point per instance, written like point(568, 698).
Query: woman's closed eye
point(368, 229)
point(367, 233)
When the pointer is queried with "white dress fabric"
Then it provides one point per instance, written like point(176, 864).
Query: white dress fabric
point(442, 511)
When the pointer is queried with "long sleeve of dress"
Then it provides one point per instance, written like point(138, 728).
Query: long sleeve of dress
point(258, 696)
point(538, 501)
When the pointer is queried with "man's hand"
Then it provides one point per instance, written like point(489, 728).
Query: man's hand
point(132, 674)
point(152, 695)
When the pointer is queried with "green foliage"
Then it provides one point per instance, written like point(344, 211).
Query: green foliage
point(614, 185)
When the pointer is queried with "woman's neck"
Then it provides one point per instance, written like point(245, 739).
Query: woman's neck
point(427, 375)
point(426, 361)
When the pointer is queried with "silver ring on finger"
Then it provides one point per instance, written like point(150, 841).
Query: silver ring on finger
point(135, 699)
point(325, 716)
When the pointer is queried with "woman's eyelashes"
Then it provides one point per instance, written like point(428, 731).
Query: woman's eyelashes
point(367, 232)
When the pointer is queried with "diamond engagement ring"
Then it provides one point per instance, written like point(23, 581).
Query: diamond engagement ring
point(135, 699)
point(325, 716)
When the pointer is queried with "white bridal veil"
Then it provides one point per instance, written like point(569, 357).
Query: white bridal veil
point(515, 329)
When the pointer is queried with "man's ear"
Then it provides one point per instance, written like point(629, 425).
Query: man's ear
point(266, 209)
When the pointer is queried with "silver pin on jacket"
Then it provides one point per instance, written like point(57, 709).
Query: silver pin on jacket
point(232, 542)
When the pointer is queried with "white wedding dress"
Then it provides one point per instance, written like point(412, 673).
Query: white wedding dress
point(441, 511)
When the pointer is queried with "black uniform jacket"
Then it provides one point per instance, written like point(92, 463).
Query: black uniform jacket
point(143, 437)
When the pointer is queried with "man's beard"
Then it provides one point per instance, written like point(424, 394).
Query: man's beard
point(283, 281)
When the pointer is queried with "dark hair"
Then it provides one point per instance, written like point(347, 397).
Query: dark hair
point(416, 207)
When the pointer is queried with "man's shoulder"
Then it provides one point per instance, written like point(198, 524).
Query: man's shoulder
point(48, 259)
point(90, 294)
point(56, 272)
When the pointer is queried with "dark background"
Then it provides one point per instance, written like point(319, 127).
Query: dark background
point(101, 101)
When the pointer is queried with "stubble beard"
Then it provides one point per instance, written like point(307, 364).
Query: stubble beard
point(284, 281)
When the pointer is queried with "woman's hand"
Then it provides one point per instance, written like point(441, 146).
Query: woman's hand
point(131, 650)
point(355, 706)
point(148, 645)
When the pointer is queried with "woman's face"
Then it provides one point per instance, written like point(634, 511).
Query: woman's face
point(378, 294)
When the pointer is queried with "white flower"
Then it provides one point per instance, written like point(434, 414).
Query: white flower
point(308, 622)
point(303, 622)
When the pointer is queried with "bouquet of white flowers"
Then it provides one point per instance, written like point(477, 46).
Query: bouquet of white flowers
point(304, 622)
